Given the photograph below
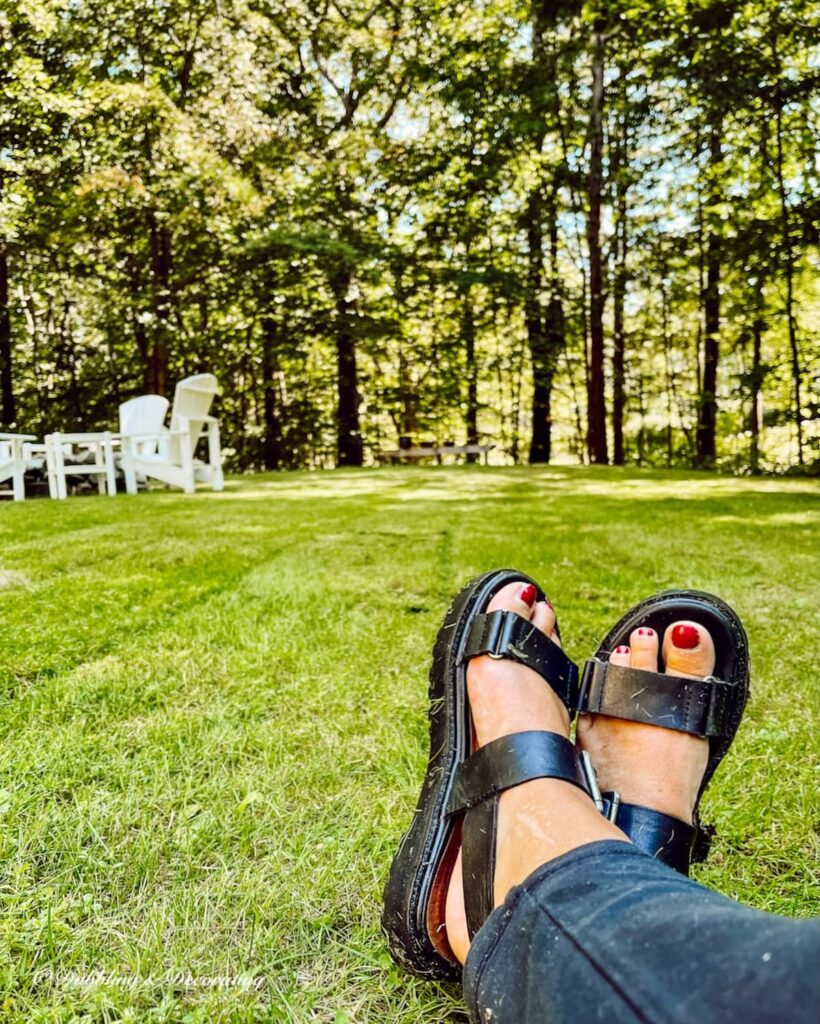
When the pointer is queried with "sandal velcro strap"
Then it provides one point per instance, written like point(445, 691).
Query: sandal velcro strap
point(511, 760)
point(659, 835)
point(698, 706)
point(674, 842)
point(505, 634)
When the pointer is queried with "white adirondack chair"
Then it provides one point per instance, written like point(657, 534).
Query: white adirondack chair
point(145, 416)
point(14, 460)
point(173, 460)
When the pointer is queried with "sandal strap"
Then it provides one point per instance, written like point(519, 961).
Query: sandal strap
point(500, 765)
point(672, 841)
point(505, 634)
point(698, 706)
point(511, 760)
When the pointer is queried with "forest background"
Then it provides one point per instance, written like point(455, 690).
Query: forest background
point(577, 232)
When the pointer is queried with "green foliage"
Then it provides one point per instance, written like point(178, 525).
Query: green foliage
point(255, 188)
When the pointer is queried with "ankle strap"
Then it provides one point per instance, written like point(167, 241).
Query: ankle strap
point(510, 761)
point(502, 764)
point(672, 841)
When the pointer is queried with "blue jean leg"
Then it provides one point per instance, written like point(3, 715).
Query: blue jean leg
point(605, 933)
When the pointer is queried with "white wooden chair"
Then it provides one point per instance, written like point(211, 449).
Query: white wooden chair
point(15, 458)
point(173, 460)
point(145, 415)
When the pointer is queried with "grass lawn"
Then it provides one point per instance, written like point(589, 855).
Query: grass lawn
point(213, 717)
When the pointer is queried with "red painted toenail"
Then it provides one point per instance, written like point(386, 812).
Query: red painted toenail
point(527, 594)
point(646, 632)
point(622, 650)
point(685, 637)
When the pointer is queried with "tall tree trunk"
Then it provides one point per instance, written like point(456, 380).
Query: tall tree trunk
point(349, 448)
point(408, 417)
point(138, 323)
point(642, 417)
point(619, 294)
point(667, 362)
point(756, 389)
point(272, 444)
point(545, 328)
point(618, 338)
point(407, 420)
point(707, 409)
point(554, 324)
point(160, 246)
point(7, 404)
point(788, 268)
point(468, 339)
point(536, 333)
point(596, 407)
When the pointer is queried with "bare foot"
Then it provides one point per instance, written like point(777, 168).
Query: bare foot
point(538, 820)
point(655, 767)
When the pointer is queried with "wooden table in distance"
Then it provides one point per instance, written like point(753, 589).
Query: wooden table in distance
point(436, 451)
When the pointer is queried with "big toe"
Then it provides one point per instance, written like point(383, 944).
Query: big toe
point(688, 650)
point(515, 597)
point(506, 697)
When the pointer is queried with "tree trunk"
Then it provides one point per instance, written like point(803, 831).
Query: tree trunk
point(536, 334)
point(349, 448)
point(788, 266)
point(707, 410)
point(618, 342)
point(596, 402)
point(554, 324)
point(756, 388)
point(272, 446)
point(160, 245)
point(468, 338)
point(545, 328)
point(619, 296)
point(7, 405)
point(667, 362)
point(159, 239)
point(407, 419)
point(642, 418)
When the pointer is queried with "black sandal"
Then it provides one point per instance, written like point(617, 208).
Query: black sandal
point(711, 707)
point(459, 798)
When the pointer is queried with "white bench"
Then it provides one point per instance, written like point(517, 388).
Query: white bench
point(437, 451)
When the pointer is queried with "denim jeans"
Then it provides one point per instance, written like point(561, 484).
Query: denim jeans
point(605, 933)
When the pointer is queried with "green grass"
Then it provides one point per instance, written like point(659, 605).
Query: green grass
point(213, 723)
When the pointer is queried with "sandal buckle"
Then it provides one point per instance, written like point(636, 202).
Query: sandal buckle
point(592, 666)
point(614, 807)
point(591, 780)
